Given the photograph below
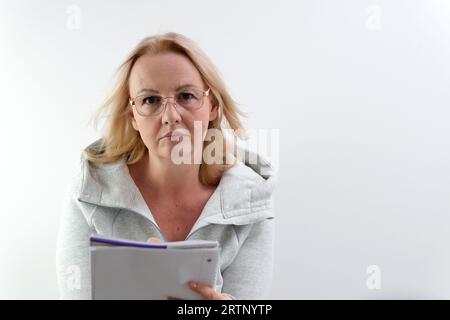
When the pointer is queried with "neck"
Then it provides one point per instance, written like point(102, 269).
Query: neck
point(169, 179)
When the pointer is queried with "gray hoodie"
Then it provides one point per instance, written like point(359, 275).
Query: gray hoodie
point(104, 199)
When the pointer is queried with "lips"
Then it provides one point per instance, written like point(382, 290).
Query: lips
point(171, 134)
point(168, 135)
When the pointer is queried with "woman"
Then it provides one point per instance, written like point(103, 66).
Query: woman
point(132, 184)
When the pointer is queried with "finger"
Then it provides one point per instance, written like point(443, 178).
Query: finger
point(205, 291)
point(153, 240)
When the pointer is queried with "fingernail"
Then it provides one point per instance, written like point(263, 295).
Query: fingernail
point(193, 285)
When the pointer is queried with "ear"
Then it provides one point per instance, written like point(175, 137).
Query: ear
point(133, 121)
point(214, 112)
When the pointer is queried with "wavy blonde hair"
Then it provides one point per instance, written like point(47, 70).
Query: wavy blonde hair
point(119, 137)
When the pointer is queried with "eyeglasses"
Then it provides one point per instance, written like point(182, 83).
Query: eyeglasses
point(190, 99)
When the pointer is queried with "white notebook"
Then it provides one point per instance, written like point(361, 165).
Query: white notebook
point(124, 269)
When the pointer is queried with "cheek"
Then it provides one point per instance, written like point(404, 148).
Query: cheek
point(148, 129)
point(190, 122)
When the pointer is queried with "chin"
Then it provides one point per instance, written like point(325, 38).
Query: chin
point(164, 152)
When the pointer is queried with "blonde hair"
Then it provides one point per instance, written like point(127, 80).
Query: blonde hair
point(120, 139)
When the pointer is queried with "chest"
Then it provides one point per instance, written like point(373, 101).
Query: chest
point(175, 219)
point(174, 225)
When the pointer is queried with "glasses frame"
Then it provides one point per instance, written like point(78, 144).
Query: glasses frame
point(132, 103)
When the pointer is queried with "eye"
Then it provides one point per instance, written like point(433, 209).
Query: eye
point(151, 100)
point(186, 96)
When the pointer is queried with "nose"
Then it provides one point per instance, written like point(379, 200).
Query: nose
point(170, 114)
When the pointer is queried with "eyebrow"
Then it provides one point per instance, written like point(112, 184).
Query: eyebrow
point(156, 91)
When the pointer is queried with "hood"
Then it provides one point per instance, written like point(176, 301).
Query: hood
point(243, 196)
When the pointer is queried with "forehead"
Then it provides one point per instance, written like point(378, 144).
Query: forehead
point(163, 72)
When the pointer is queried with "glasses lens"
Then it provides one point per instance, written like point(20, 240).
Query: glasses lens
point(190, 99)
point(149, 105)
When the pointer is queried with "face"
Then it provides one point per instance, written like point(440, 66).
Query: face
point(165, 72)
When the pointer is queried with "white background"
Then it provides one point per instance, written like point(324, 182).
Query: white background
point(360, 91)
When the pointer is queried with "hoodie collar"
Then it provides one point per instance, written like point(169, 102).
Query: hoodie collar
point(243, 195)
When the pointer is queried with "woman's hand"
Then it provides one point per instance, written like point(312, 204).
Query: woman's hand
point(205, 291)
point(153, 240)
